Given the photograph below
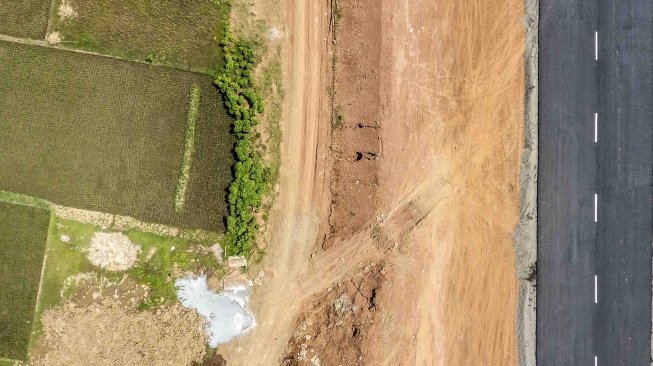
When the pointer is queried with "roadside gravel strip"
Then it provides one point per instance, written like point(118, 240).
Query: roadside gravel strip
point(526, 231)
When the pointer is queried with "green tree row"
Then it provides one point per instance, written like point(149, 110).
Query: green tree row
point(243, 104)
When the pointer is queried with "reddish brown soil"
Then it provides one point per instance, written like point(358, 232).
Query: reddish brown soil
point(441, 85)
point(334, 329)
point(356, 138)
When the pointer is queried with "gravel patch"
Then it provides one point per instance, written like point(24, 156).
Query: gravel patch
point(526, 232)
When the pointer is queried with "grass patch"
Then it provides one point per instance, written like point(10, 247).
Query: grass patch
point(175, 33)
point(189, 148)
point(271, 86)
point(338, 118)
point(67, 259)
point(243, 103)
point(23, 235)
point(23, 200)
point(24, 18)
point(157, 273)
point(64, 260)
point(108, 135)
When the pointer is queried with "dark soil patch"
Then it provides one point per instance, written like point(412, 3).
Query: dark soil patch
point(356, 142)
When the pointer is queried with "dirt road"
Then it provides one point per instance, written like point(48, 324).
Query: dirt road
point(295, 221)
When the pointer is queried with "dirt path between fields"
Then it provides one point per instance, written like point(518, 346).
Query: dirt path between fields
point(451, 99)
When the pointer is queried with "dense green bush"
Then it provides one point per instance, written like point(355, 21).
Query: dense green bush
point(244, 104)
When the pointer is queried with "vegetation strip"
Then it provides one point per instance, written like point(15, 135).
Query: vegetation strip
point(189, 148)
point(237, 85)
point(23, 235)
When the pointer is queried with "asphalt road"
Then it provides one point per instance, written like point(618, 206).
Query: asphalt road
point(595, 202)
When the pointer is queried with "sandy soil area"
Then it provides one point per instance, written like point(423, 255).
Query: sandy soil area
point(450, 103)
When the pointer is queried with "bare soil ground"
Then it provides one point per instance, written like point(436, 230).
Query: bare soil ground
point(444, 81)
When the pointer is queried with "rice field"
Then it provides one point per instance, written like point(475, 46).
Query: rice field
point(107, 135)
point(176, 33)
point(23, 235)
point(24, 18)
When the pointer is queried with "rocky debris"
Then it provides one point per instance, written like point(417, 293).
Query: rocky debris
point(237, 261)
point(234, 279)
point(334, 329)
point(525, 237)
point(112, 251)
point(216, 249)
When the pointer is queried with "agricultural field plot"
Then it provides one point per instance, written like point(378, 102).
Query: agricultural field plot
point(23, 234)
point(107, 135)
point(178, 33)
point(24, 18)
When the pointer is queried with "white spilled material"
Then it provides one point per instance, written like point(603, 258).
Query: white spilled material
point(226, 313)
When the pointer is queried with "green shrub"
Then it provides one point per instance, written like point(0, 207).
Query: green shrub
point(244, 104)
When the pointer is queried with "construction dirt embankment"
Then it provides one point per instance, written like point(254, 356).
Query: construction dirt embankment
point(400, 193)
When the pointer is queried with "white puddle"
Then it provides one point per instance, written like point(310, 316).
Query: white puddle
point(226, 312)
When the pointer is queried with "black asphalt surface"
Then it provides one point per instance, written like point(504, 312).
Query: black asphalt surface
point(572, 248)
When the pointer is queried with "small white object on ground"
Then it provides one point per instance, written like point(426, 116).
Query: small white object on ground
point(237, 261)
point(112, 251)
point(173, 248)
point(216, 249)
point(274, 33)
point(65, 238)
point(226, 313)
point(53, 38)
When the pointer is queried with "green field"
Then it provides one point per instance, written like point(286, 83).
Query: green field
point(23, 234)
point(107, 135)
point(177, 33)
point(24, 18)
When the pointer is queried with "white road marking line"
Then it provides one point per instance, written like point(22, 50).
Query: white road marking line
point(596, 291)
point(596, 45)
point(596, 127)
point(596, 204)
point(596, 363)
